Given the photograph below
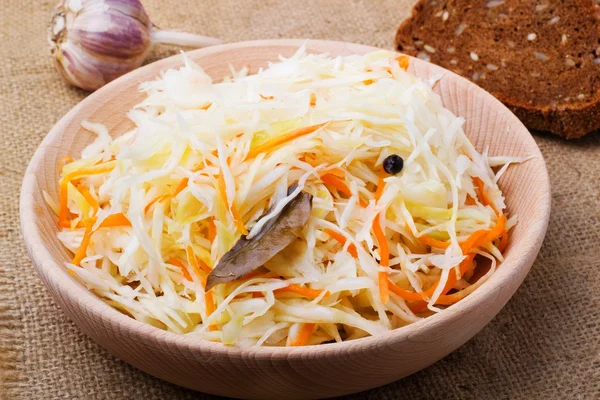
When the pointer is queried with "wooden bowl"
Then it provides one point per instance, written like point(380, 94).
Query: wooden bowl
point(308, 372)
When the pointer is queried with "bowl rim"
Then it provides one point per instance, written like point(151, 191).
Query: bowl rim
point(114, 320)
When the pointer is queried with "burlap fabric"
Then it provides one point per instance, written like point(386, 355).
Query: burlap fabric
point(544, 344)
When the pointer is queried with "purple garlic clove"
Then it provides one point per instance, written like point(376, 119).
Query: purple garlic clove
point(90, 72)
point(110, 34)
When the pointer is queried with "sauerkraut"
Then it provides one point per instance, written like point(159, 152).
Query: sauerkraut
point(149, 214)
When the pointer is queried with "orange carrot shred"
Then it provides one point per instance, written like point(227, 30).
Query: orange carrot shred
point(182, 185)
point(164, 197)
point(153, 201)
point(115, 220)
point(418, 306)
point(198, 167)
point(384, 252)
point(212, 230)
point(301, 290)
point(87, 235)
point(384, 261)
point(384, 291)
point(473, 240)
point(203, 265)
point(279, 140)
point(336, 183)
point(497, 230)
point(470, 201)
point(196, 266)
point(222, 189)
point(405, 294)
point(380, 186)
point(341, 186)
point(303, 335)
point(485, 198)
point(336, 172)
point(449, 299)
point(97, 169)
point(342, 240)
point(184, 270)
point(429, 241)
point(63, 196)
point(196, 262)
point(237, 219)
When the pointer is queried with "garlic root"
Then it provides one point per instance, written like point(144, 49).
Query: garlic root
point(159, 36)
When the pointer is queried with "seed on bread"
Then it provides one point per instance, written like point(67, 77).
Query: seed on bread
point(494, 3)
point(429, 49)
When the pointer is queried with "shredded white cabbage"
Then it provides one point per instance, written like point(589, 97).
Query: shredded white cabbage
point(150, 213)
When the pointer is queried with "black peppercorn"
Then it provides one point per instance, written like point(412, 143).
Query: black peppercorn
point(393, 164)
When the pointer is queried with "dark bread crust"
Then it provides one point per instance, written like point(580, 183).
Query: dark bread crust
point(540, 58)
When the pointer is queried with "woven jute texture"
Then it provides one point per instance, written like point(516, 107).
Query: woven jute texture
point(544, 344)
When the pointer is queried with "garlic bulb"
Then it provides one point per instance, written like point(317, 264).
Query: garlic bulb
point(96, 41)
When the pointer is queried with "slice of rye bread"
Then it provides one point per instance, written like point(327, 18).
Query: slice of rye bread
point(540, 58)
